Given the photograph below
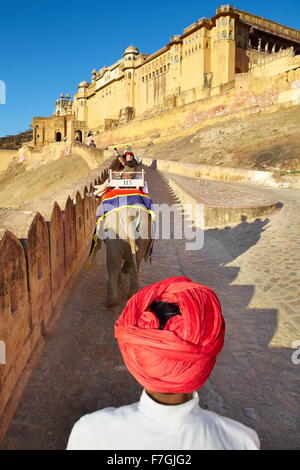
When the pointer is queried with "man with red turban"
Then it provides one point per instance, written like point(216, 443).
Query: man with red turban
point(169, 334)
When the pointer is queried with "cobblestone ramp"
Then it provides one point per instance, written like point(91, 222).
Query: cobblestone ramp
point(254, 269)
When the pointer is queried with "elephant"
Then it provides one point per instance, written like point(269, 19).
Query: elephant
point(127, 234)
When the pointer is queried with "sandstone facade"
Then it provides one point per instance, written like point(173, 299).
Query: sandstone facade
point(201, 63)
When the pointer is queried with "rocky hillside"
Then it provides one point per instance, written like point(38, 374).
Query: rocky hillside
point(19, 185)
point(13, 142)
point(261, 141)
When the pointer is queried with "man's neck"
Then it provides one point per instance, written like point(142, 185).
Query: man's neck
point(169, 398)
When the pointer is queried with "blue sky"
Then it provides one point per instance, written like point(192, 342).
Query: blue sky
point(48, 47)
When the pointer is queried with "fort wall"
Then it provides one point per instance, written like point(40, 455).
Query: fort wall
point(272, 65)
point(248, 93)
point(212, 172)
point(217, 215)
point(33, 157)
point(6, 157)
point(36, 274)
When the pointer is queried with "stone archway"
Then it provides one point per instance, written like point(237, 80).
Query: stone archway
point(58, 136)
point(78, 135)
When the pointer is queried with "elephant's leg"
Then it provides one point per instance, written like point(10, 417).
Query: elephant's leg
point(141, 246)
point(134, 284)
point(126, 267)
point(113, 262)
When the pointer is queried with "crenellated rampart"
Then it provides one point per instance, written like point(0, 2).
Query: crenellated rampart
point(36, 274)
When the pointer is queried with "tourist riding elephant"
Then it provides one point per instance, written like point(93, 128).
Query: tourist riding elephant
point(127, 235)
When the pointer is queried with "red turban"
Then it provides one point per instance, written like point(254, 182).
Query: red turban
point(179, 358)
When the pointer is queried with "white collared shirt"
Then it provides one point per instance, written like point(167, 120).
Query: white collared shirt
point(148, 425)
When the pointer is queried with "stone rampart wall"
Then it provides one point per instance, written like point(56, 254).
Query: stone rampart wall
point(56, 150)
point(250, 93)
point(211, 172)
point(36, 274)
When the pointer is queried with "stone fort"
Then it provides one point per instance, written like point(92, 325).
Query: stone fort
point(200, 63)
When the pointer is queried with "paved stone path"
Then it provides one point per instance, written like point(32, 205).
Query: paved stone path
point(222, 193)
point(254, 269)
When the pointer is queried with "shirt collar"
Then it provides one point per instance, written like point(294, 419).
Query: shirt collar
point(156, 410)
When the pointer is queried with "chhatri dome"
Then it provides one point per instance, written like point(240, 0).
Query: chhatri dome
point(83, 84)
point(131, 50)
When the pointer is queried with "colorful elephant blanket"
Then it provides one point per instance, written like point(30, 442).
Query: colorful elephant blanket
point(115, 200)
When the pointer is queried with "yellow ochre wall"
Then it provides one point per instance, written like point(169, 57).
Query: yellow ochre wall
point(105, 103)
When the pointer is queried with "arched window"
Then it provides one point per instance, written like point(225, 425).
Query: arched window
point(78, 135)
